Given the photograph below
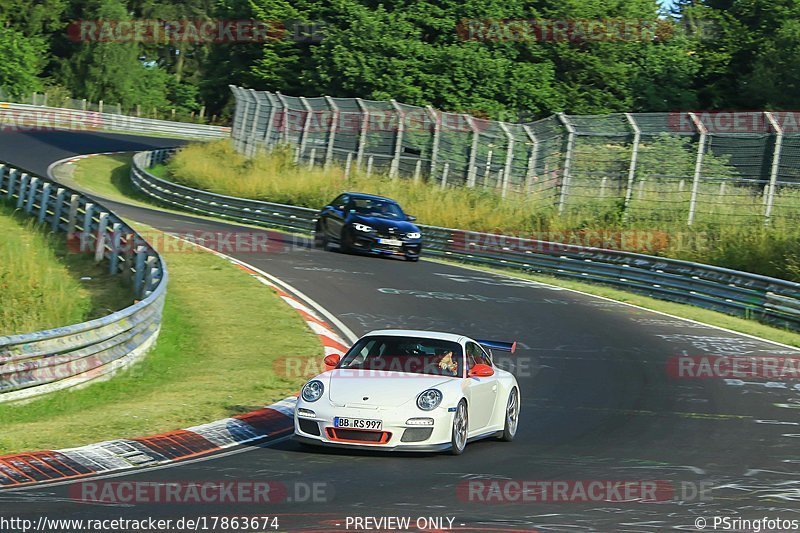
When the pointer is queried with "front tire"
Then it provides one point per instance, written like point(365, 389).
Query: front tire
point(346, 242)
point(412, 259)
point(512, 416)
point(458, 438)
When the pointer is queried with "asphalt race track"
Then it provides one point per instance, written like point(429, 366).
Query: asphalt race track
point(597, 401)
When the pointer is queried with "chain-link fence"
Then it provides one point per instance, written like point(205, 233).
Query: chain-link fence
point(683, 166)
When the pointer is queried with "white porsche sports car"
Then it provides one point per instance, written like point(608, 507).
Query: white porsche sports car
point(411, 391)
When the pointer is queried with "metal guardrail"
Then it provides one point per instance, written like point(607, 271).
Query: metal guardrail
point(769, 300)
point(36, 363)
point(26, 117)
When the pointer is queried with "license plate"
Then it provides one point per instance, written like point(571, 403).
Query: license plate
point(391, 242)
point(357, 423)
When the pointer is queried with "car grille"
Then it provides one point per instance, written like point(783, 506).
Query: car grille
point(358, 435)
point(394, 235)
point(416, 434)
point(308, 426)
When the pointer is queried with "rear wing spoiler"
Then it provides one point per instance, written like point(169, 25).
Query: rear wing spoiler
point(498, 345)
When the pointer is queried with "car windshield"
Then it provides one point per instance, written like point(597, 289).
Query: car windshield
point(413, 355)
point(373, 207)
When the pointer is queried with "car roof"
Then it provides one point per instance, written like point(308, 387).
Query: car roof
point(453, 337)
point(369, 196)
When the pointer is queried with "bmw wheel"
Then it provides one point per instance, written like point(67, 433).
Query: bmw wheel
point(460, 425)
point(512, 416)
point(346, 241)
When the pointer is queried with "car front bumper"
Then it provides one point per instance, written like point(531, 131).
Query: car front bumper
point(372, 243)
point(395, 434)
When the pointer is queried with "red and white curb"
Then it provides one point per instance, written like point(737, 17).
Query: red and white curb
point(271, 422)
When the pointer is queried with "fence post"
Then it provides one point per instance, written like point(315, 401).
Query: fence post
point(698, 166)
point(394, 170)
point(488, 169)
point(565, 175)
point(445, 171)
point(306, 128)
point(437, 133)
point(509, 159)
point(100, 106)
point(284, 117)
point(100, 241)
point(532, 160)
point(251, 141)
point(362, 136)
point(418, 170)
point(273, 109)
point(472, 170)
point(370, 161)
point(43, 202)
point(332, 135)
point(637, 135)
point(31, 194)
point(312, 158)
point(775, 167)
point(347, 164)
point(138, 278)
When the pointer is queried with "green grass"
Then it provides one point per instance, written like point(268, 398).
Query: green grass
point(43, 286)
point(748, 246)
point(705, 316)
point(211, 361)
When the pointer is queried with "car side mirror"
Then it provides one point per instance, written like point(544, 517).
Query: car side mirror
point(411, 218)
point(332, 360)
point(481, 371)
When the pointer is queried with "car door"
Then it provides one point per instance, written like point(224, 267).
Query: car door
point(333, 217)
point(481, 392)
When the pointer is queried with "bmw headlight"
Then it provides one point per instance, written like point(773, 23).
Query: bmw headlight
point(362, 227)
point(414, 235)
point(429, 399)
point(312, 391)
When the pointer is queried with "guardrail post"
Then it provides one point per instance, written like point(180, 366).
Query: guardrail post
point(138, 278)
point(72, 218)
point(86, 230)
point(774, 168)
point(472, 169)
point(127, 255)
point(60, 194)
point(332, 133)
point(394, 170)
point(12, 179)
point(637, 135)
point(116, 244)
point(23, 188)
point(2, 175)
point(34, 183)
point(509, 159)
point(306, 127)
point(437, 133)
point(45, 199)
point(530, 173)
point(149, 274)
point(698, 166)
point(565, 174)
point(362, 134)
point(100, 240)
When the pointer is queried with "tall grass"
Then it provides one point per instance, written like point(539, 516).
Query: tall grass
point(42, 286)
point(717, 237)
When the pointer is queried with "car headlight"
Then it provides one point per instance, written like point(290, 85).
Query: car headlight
point(429, 399)
point(312, 391)
point(362, 227)
point(414, 235)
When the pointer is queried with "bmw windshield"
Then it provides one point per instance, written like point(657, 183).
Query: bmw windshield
point(372, 207)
